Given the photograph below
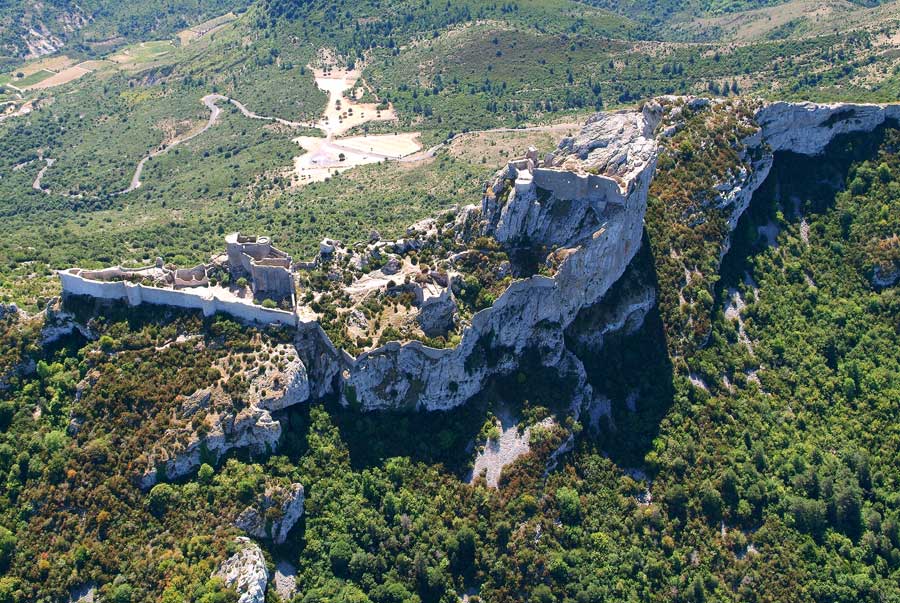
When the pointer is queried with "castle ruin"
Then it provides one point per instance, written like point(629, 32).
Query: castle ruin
point(213, 287)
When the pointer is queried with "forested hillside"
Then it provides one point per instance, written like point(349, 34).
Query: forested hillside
point(91, 27)
point(769, 475)
point(750, 452)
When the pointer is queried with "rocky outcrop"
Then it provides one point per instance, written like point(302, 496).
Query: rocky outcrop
point(246, 572)
point(576, 214)
point(567, 204)
point(58, 324)
point(275, 514)
point(283, 381)
point(803, 128)
point(181, 450)
point(615, 151)
point(599, 235)
point(807, 128)
point(207, 424)
point(437, 314)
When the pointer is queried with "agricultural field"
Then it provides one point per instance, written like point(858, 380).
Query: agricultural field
point(31, 80)
point(143, 54)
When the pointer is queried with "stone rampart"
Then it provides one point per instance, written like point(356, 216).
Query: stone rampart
point(193, 299)
point(570, 186)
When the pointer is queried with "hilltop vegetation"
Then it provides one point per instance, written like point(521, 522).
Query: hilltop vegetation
point(772, 473)
point(446, 67)
point(752, 451)
point(93, 27)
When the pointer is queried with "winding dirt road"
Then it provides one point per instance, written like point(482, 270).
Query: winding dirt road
point(214, 112)
point(327, 146)
point(36, 185)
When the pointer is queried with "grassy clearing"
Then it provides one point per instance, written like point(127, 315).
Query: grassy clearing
point(139, 55)
point(490, 149)
point(30, 80)
point(192, 34)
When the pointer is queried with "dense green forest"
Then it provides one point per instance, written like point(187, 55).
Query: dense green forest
point(751, 450)
point(769, 475)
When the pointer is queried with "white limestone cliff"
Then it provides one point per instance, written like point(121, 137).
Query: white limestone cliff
point(246, 572)
point(596, 237)
point(275, 514)
point(594, 230)
point(580, 210)
point(807, 128)
point(803, 128)
point(181, 450)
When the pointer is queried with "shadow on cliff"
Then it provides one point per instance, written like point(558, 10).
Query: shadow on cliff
point(437, 437)
point(631, 368)
point(446, 437)
point(797, 186)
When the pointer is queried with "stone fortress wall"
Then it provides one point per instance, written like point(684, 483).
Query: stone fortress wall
point(569, 186)
point(562, 183)
point(613, 157)
point(75, 282)
point(189, 288)
point(191, 277)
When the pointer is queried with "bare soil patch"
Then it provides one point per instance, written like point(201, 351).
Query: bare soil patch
point(63, 77)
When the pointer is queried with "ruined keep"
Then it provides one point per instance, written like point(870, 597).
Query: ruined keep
point(268, 268)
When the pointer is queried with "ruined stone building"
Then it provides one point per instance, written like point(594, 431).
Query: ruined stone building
point(267, 268)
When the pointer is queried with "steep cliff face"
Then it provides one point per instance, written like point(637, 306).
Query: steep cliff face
point(803, 128)
point(580, 209)
point(567, 225)
point(592, 241)
point(807, 128)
